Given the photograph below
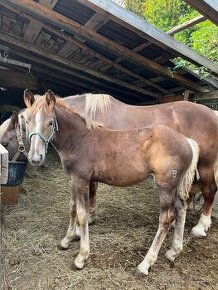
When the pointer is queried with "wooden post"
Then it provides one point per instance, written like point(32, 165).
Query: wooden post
point(3, 179)
point(9, 194)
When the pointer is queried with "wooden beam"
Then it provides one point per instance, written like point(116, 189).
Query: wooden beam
point(85, 81)
point(186, 24)
point(209, 8)
point(12, 79)
point(145, 29)
point(169, 99)
point(69, 63)
point(35, 27)
point(74, 42)
point(97, 21)
point(205, 96)
point(69, 25)
point(3, 166)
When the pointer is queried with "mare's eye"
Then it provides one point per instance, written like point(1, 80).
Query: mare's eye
point(26, 122)
point(50, 123)
point(5, 144)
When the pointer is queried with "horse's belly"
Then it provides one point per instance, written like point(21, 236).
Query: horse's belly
point(122, 176)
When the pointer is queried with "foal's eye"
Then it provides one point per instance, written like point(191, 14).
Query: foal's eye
point(50, 123)
point(26, 122)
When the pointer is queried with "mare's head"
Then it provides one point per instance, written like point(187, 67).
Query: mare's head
point(41, 124)
point(13, 137)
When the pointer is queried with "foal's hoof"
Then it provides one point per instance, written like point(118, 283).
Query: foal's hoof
point(170, 255)
point(73, 267)
point(60, 247)
point(140, 274)
point(79, 263)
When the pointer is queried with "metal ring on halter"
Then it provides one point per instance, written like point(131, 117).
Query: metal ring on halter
point(21, 148)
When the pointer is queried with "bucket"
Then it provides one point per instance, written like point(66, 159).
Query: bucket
point(16, 170)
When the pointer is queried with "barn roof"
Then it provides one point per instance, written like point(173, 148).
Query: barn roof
point(96, 46)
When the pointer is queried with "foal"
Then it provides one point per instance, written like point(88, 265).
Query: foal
point(120, 158)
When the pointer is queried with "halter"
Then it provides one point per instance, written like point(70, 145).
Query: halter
point(21, 147)
point(49, 138)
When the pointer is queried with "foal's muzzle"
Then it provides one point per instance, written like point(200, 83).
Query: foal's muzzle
point(36, 161)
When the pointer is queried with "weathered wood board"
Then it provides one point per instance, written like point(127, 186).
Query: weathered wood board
point(3, 165)
point(3, 179)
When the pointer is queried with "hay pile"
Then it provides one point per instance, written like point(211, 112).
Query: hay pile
point(126, 224)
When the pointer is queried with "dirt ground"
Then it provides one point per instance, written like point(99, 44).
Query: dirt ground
point(126, 223)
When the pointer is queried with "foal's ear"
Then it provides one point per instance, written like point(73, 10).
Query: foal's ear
point(28, 98)
point(50, 99)
point(13, 121)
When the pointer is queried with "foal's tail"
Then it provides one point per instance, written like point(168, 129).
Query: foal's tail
point(187, 179)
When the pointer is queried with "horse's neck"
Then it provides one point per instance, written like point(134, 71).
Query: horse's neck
point(70, 127)
point(77, 101)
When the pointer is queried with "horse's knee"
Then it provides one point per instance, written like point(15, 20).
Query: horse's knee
point(167, 217)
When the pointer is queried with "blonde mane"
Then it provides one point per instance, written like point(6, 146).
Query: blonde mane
point(90, 124)
point(94, 102)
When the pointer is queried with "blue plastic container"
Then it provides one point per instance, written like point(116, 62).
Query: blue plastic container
point(16, 171)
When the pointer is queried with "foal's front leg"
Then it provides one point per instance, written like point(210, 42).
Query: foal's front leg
point(72, 228)
point(166, 217)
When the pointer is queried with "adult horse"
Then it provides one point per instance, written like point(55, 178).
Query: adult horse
point(114, 157)
point(13, 137)
point(192, 120)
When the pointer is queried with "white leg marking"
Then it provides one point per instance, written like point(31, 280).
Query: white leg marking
point(177, 244)
point(202, 227)
point(84, 235)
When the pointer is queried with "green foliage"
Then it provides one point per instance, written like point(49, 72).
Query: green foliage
point(166, 14)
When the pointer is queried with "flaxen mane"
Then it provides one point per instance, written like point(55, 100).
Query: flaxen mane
point(96, 102)
point(90, 124)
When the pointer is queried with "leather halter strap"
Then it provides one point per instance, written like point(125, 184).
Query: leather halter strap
point(21, 147)
point(46, 140)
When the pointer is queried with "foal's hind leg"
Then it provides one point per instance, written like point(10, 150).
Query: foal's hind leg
point(177, 245)
point(167, 216)
point(209, 190)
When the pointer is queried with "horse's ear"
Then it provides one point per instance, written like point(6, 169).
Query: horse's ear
point(50, 99)
point(28, 98)
point(14, 121)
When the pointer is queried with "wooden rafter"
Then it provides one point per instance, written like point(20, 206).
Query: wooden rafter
point(208, 8)
point(69, 63)
point(186, 24)
point(85, 81)
point(35, 26)
point(142, 27)
point(205, 96)
point(59, 20)
point(66, 50)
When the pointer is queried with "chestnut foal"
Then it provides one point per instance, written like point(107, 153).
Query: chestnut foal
point(120, 158)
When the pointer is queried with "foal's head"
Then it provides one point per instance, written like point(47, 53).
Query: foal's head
point(41, 124)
